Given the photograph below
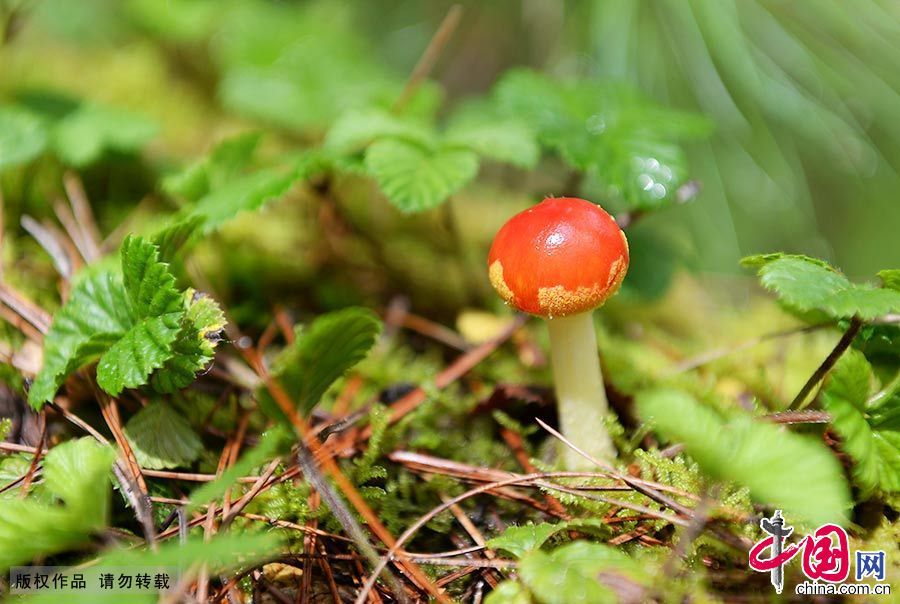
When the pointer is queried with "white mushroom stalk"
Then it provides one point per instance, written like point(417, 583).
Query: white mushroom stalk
point(580, 393)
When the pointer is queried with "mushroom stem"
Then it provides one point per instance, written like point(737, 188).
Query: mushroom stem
point(580, 394)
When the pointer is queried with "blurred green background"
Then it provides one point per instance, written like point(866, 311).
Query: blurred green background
point(804, 96)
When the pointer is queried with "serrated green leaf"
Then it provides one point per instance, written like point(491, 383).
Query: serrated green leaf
point(332, 344)
point(806, 284)
point(243, 194)
point(868, 436)
point(790, 471)
point(96, 314)
point(75, 471)
point(157, 307)
point(575, 573)
point(195, 346)
point(82, 136)
point(354, 130)
point(131, 324)
point(23, 136)
point(415, 179)
point(161, 438)
point(145, 347)
point(148, 282)
point(507, 141)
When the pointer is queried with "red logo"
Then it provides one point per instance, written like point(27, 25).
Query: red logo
point(826, 553)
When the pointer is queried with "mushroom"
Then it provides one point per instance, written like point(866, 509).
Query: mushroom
point(561, 259)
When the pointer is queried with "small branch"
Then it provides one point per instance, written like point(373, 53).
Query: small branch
point(429, 56)
point(843, 344)
point(798, 417)
point(36, 459)
point(89, 232)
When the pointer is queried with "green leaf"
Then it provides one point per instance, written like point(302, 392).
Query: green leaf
point(790, 471)
point(611, 131)
point(806, 284)
point(148, 282)
point(890, 278)
point(575, 573)
point(868, 435)
point(76, 472)
point(146, 346)
point(161, 438)
point(508, 592)
point(355, 130)
point(195, 346)
point(332, 344)
point(224, 163)
point(415, 179)
point(269, 445)
point(305, 79)
point(157, 307)
point(518, 540)
point(96, 314)
point(84, 135)
point(134, 325)
point(175, 236)
point(23, 137)
point(243, 194)
point(507, 141)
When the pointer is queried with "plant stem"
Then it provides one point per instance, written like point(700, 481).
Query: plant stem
point(580, 394)
point(842, 345)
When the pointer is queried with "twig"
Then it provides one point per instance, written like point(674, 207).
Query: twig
point(395, 549)
point(798, 417)
point(429, 56)
point(30, 312)
point(514, 440)
point(435, 331)
point(87, 224)
point(58, 247)
point(314, 449)
point(36, 459)
point(855, 325)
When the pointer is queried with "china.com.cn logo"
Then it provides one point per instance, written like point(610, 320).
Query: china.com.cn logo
point(825, 556)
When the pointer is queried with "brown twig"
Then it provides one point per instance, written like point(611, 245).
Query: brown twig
point(843, 344)
point(429, 56)
point(34, 315)
point(519, 480)
point(85, 221)
point(36, 459)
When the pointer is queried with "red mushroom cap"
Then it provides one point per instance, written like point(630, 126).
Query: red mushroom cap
point(561, 257)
